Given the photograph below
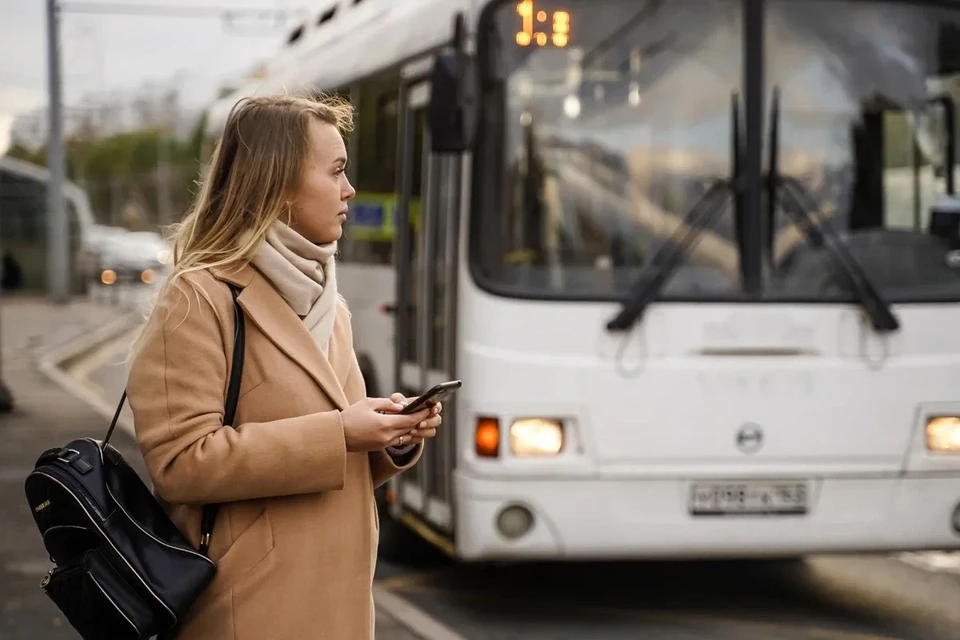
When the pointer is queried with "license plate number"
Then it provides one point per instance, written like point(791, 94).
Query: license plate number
point(748, 498)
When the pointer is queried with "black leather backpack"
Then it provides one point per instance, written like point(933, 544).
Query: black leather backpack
point(123, 569)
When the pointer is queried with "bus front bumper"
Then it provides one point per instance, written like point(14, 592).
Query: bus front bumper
point(583, 519)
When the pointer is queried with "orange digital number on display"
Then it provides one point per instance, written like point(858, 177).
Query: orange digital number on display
point(534, 23)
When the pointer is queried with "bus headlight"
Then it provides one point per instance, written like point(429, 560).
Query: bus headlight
point(943, 434)
point(108, 276)
point(536, 437)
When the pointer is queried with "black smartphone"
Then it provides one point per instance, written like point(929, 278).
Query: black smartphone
point(432, 397)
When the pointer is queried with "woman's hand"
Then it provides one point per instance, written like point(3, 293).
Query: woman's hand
point(427, 428)
point(373, 424)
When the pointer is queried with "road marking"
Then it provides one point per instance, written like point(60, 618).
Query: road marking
point(415, 619)
point(414, 578)
point(948, 562)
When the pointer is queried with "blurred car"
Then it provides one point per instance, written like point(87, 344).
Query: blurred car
point(134, 257)
point(96, 238)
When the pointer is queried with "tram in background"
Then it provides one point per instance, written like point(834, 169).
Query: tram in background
point(695, 261)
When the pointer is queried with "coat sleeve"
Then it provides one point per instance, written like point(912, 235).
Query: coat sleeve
point(177, 384)
point(383, 466)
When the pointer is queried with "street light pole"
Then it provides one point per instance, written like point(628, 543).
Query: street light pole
point(57, 224)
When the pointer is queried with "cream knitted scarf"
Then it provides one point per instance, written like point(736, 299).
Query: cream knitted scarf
point(304, 274)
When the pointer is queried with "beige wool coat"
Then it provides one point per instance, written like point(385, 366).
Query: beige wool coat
point(296, 537)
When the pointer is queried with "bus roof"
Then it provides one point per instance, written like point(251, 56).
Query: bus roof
point(329, 50)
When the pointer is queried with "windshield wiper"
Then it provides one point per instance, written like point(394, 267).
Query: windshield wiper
point(800, 205)
point(705, 211)
point(655, 273)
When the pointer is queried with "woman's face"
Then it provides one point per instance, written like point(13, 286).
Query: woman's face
point(320, 204)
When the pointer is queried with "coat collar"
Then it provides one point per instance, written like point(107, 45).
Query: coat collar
point(284, 328)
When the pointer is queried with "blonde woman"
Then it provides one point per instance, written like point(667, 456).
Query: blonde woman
point(296, 536)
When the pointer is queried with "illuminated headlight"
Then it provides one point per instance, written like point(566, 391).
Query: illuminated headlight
point(943, 434)
point(163, 257)
point(536, 437)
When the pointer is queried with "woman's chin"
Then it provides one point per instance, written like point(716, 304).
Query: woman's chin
point(332, 235)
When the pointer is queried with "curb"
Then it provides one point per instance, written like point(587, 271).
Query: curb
point(80, 346)
point(51, 364)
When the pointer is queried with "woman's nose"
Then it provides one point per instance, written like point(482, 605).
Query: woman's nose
point(348, 192)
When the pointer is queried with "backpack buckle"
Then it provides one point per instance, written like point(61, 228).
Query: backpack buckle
point(73, 458)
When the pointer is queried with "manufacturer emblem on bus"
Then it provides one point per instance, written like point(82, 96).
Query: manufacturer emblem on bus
point(749, 438)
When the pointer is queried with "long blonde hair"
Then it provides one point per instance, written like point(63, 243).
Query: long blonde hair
point(254, 172)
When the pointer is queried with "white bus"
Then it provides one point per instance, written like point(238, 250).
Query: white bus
point(696, 263)
point(23, 226)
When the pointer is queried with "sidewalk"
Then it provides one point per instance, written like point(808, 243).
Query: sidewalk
point(46, 415)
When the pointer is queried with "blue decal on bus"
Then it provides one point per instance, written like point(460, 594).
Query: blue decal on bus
point(367, 215)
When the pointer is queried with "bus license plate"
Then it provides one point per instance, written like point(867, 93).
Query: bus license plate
point(748, 498)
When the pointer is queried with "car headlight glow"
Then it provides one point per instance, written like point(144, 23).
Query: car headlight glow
point(536, 437)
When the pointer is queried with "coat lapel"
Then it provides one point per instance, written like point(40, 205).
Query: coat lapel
point(341, 348)
point(283, 327)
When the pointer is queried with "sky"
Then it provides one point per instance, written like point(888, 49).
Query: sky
point(101, 54)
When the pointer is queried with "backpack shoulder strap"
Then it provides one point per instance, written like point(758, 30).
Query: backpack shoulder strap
point(229, 408)
point(229, 412)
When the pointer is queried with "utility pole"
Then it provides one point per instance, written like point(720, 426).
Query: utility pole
point(57, 225)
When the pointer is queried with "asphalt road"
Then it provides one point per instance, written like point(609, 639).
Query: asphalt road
point(848, 598)
point(841, 598)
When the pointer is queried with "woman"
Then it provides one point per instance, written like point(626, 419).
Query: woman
point(296, 537)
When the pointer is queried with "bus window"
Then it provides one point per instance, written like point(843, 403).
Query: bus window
point(861, 115)
point(23, 226)
point(596, 146)
point(368, 236)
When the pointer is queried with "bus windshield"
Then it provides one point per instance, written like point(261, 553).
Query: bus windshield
point(606, 120)
point(867, 94)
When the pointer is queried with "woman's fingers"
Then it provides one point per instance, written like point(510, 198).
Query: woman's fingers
point(404, 423)
point(429, 432)
point(383, 405)
point(430, 423)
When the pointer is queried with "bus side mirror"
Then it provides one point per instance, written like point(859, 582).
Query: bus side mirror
point(452, 113)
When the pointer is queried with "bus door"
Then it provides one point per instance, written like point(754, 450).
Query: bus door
point(425, 307)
